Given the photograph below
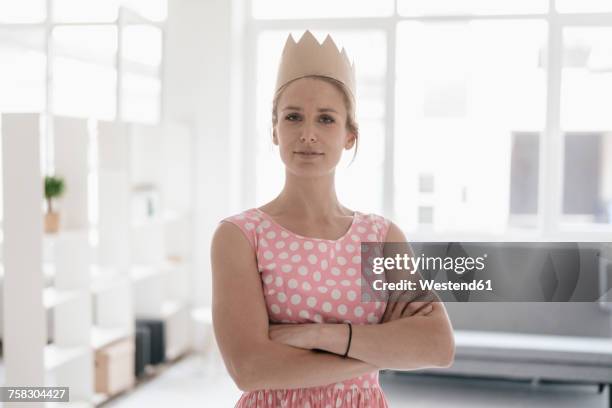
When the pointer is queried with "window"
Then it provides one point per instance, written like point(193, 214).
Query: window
point(80, 77)
point(23, 63)
point(487, 83)
point(274, 9)
point(497, 102)
point(587, 133)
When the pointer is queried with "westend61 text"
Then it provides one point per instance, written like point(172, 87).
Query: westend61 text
point(432, 285)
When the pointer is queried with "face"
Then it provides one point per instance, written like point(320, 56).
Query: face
point(311, 130)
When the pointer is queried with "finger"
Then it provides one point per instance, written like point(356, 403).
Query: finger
point(426, 310)
point(413, 307)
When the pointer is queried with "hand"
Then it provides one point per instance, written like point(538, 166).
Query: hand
point(396, 309)
point(296, 335)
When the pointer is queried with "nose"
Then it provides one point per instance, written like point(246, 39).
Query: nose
point(308, 134)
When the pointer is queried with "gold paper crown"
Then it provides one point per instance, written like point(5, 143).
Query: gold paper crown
point(308, 57)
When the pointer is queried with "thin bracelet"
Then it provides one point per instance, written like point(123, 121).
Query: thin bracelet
point(348, 346)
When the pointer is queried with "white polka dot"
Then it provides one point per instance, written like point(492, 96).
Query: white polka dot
point(289, 312)
point(263, 242)
point(240, 217)
point(322, 247)
point(361, 229)
point(338, 246)
point(249, 226)
point(324, 264)
point(355, 237)
point(271, 266)
point(318, 318)
point(265, 224)
point(311, 301)
point(372, 318)
point(279, 281)
point(322, 289)
point(342, 309)
point(316, 276)
point(268, 255)
point(330, 282)
point(292, 283)
point(280, 244)
point(296, 258)
point(283, 255)
point(366, 384)
point(356, 259)
point(295, 299)
point(271, 235)
point(351, 271)
point(341, 260)
point(345, 282)
point(286, 268)
point(302, 270)
point(349, 248)
point(275, 309)
point(312, 259)
point(327, 307)
point(358, 311)
point(308, 245)
point(372, 237)
point(358, 281)
point(294, 246)
point(281, 297)
point(335, 294)
point(305, 315)
point(284, 234)
point(268, 279)
point(335, 271)
point(351, 295)
point(259, 230)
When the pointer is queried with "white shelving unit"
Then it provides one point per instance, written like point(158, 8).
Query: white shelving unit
point(161, 238)
point(81, 289)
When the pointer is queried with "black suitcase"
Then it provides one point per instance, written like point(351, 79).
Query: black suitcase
point(158, 342)
point(143, 350)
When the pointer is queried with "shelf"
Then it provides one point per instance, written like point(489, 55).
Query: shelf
point(103, 279)
point(56, 356)
point(141, 272)
point(53, 297)
point(100, 337)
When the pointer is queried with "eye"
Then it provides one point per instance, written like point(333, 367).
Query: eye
point(327, 119)
point(290, 117)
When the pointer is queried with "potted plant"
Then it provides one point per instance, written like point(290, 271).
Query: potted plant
point(54, 187)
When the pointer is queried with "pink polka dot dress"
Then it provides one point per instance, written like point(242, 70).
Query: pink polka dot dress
point(311, 280)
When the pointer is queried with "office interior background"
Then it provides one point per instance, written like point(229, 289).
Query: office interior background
point(479, 121)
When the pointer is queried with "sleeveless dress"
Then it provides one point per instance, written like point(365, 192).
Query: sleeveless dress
point(311, 280)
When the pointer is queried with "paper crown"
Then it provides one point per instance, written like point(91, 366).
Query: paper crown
point(308, 57)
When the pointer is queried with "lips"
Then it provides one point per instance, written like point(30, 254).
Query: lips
point(308, 153)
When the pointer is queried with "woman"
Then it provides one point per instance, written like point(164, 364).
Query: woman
point(287, 275)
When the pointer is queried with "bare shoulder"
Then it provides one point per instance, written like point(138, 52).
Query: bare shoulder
point(230, 247)
point(395, 233)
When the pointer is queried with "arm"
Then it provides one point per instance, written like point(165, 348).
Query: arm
point(240, 322)
point(415, 332)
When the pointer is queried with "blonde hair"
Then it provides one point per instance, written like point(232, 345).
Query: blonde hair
point(351, 123)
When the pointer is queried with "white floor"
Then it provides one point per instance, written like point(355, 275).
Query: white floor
point(194, 382)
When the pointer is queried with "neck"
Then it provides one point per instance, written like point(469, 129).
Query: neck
point(310, 197)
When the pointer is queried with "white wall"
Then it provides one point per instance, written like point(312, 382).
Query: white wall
point(202, 87)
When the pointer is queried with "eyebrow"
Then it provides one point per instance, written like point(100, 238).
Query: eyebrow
point(297, 108)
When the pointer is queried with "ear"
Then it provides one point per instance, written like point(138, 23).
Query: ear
point(351, 138)
point(274, 137)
